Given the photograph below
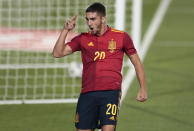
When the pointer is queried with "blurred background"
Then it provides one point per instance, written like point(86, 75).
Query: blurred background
point(29, 73)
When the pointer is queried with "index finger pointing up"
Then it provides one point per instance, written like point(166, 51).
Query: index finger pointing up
point(74, 17)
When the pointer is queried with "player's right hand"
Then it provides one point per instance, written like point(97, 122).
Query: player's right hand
point(70, 24)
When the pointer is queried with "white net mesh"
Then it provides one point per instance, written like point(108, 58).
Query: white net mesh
point(28, 32)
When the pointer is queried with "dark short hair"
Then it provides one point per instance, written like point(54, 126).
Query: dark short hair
point(97, 7)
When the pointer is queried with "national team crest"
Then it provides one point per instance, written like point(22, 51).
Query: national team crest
point(112, 46)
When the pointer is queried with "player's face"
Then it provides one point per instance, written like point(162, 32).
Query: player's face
point(95, 22)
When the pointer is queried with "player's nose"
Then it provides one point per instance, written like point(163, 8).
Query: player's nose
point(89, 23)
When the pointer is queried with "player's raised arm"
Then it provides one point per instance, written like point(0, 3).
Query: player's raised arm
point(60, 49)
point(142, 94)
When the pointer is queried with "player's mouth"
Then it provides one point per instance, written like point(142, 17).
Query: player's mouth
point(91, 29)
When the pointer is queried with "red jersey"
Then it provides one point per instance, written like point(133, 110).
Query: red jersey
point(102, 58)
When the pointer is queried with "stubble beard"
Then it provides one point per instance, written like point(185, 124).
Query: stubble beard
point(99, 28)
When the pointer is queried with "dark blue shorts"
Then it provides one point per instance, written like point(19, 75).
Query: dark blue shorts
point(95, 109)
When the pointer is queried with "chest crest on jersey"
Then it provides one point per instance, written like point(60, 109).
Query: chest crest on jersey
point(112, 45)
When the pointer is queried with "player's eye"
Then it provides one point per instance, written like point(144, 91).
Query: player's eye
point(86, 19)
point(92, 19)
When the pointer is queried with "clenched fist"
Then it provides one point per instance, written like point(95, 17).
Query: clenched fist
point(142, 95)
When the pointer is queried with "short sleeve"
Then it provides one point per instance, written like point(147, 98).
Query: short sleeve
point(128, 46)
point(75, 43)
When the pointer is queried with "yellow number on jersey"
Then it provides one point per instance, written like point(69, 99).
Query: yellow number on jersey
point(101, 55)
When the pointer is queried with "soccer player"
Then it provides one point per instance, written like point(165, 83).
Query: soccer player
point(102, 50)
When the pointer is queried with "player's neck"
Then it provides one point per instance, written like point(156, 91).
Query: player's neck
point(102, 30)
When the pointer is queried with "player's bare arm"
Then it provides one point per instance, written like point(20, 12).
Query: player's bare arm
point(142, 94)
point(60, 49)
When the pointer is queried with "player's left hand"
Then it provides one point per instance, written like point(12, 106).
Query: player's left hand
point(142, 95)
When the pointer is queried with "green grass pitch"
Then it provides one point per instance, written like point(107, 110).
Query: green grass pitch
point(169, 67)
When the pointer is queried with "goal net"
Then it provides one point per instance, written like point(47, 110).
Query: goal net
point(28, 32)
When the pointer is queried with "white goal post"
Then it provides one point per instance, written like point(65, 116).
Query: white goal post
point(28, 31)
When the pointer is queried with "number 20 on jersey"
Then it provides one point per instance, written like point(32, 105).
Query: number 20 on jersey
point(99, 55)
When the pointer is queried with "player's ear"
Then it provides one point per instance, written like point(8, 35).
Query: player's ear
point(103, 19)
